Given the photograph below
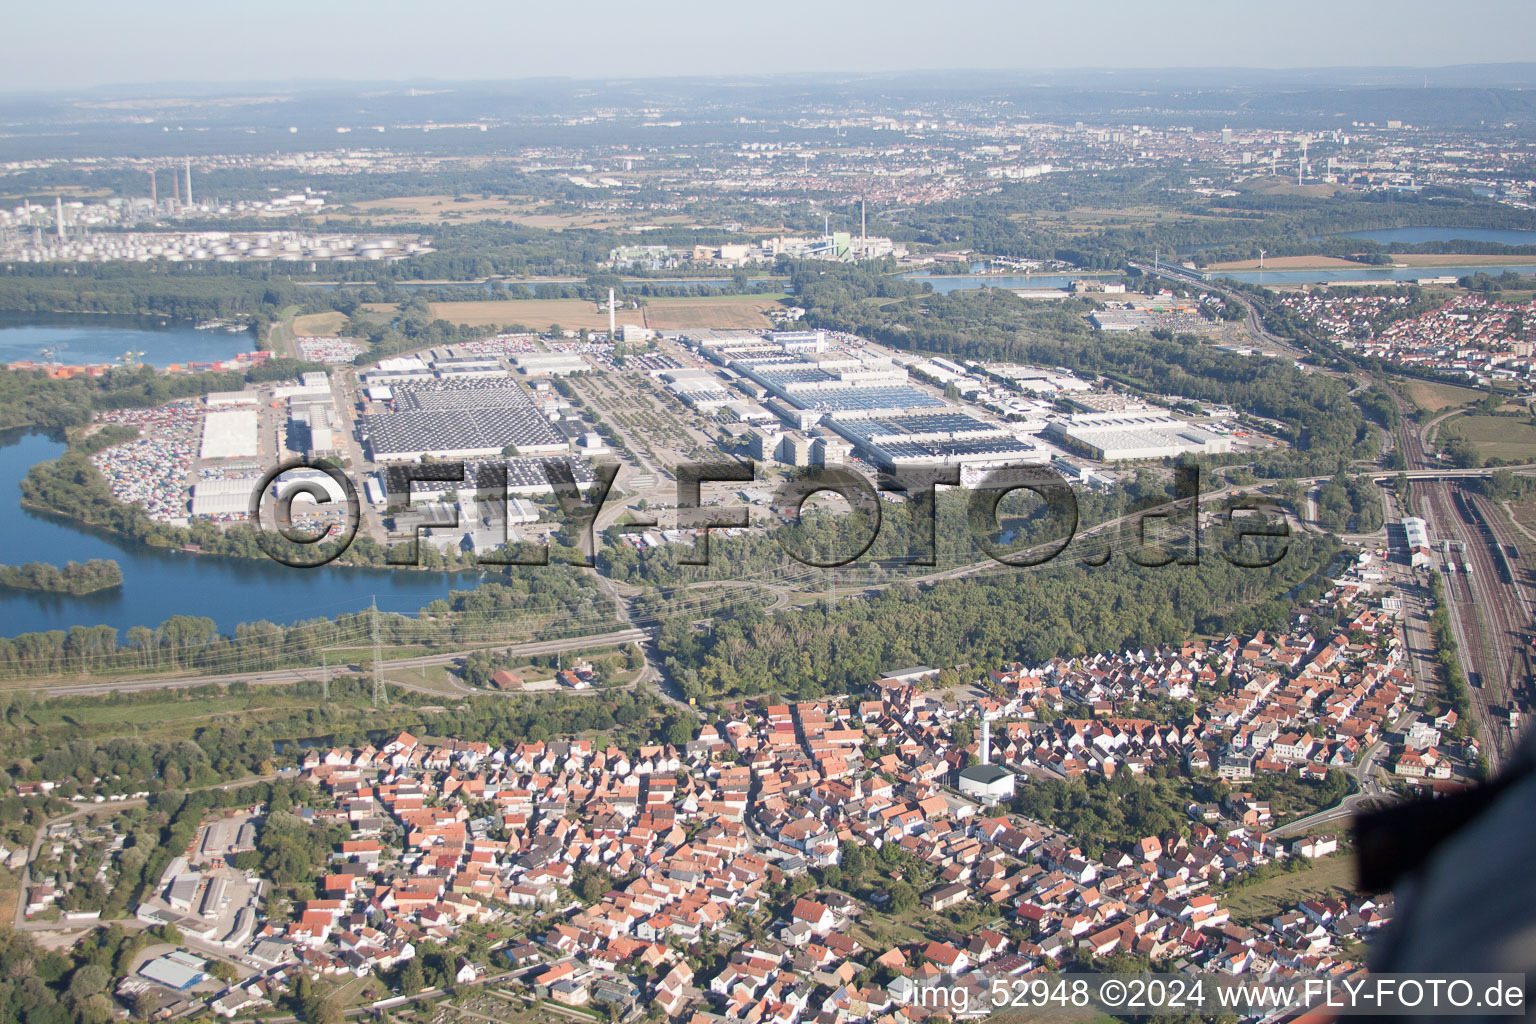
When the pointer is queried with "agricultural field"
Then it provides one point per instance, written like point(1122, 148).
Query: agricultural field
point(1085, 219)
point(440, 208)
point(1278, 186)
point(727, 312)
point(1422, 259)
point(1440, 397)
point(429, 208)
point(319, 325)
point(1495, 437)
point(722, 311)
point(1290, 263)
point(1449, 259)
point(1331, 876)
point(537, 314)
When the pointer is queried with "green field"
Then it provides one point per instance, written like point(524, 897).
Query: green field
point(1330, 876)
point(319, 325)
point(693, 311)
point(1495, 437)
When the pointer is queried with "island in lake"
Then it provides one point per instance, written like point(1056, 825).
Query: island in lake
point(74, 578)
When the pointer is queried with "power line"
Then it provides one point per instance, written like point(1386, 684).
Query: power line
point(378, 671)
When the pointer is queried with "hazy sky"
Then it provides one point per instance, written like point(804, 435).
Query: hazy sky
point(99, 42)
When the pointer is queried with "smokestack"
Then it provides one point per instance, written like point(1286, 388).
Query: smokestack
point(613, 319)
point(189, 181)
point(986, 739)
point(863, 232)
point(176, 187)
point(58, 216)
point(154, 201)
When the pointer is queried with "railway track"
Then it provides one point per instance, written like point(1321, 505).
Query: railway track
point(1488, 616)
point(1517, 600)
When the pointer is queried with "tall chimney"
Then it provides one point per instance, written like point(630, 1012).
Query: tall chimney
point(58, 216)
point(154, 201)
point(863, 232)
point(189, 181)
point(176, 187)
point(613, 319)
point(986, 739)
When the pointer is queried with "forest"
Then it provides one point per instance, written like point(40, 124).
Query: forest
point(253, 292)
point(1350, 503)
point(1059, 610)
point(31, 398)
point(1024, 221)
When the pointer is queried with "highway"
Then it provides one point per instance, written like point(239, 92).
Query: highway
point(1253, 321)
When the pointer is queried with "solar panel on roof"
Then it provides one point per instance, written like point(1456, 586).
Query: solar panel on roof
point(853, 399)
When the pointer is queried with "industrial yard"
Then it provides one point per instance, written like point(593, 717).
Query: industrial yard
point(657, 400)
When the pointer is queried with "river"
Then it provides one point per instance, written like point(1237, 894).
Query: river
point(1382, 275)
point(946, 283)
point(1373, 275)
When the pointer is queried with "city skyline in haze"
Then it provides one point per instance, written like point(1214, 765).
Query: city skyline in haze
point(101, 45)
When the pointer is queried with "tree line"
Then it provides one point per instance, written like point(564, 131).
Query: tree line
point(1063, 610)
point(72, 578)
point(523, 605)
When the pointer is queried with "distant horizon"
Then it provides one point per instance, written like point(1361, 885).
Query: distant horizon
point(1317, 74)
point(99, 45)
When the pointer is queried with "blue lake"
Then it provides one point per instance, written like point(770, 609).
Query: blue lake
point(80, 339)
point(158, 583)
